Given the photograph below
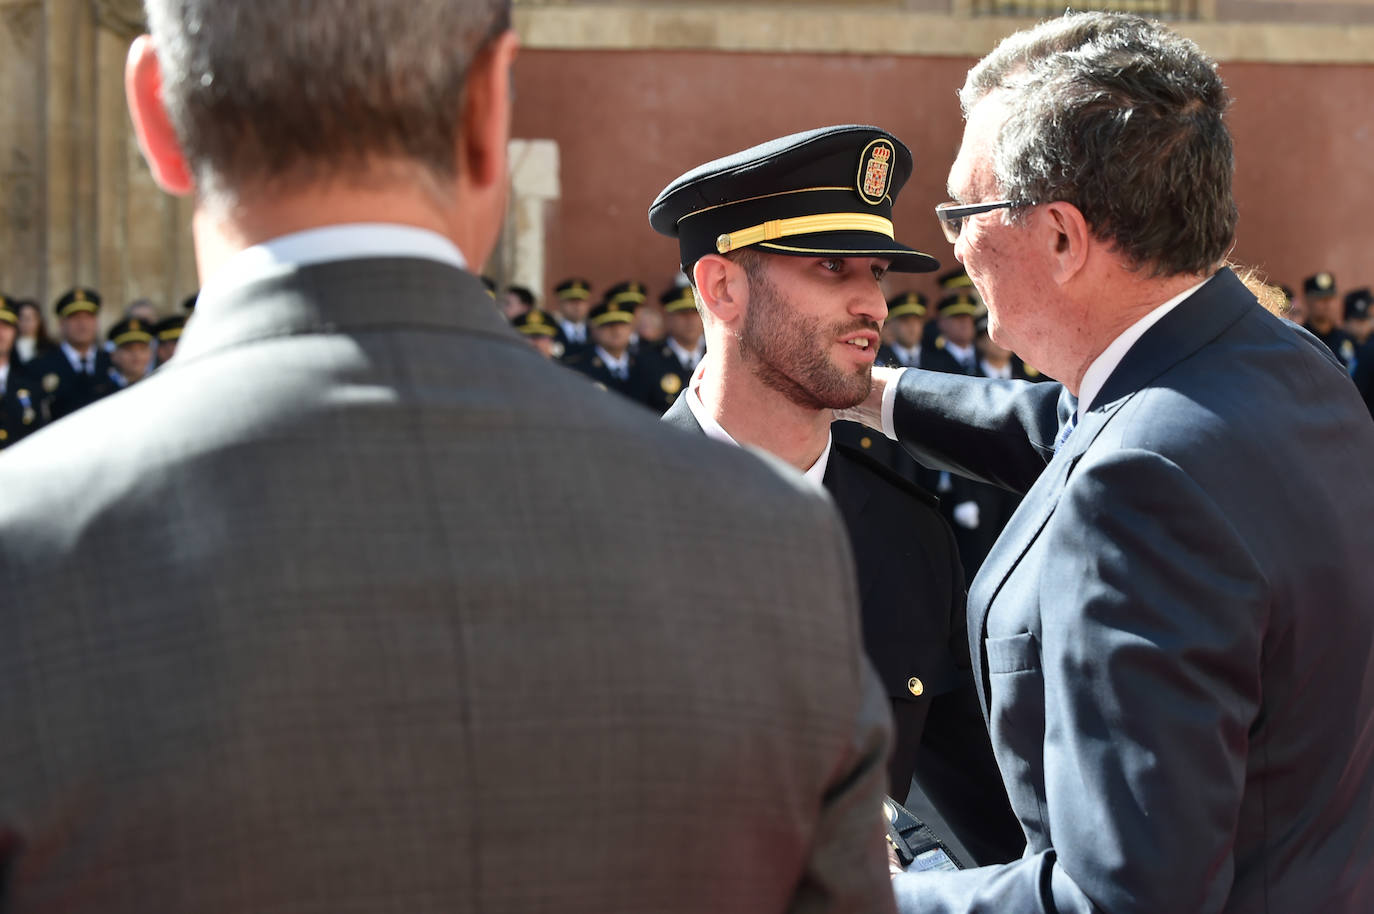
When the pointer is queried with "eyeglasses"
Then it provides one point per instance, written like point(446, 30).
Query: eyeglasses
point(952, 215)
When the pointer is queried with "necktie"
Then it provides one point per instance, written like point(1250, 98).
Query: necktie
point(1066, 431)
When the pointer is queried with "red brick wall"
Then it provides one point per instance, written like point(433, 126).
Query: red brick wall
point(627, 123)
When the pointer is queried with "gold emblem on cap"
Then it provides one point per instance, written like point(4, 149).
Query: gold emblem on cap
point(1324, 281)
point(671, 384)
point(915, 686)
point(50, 382)
point(875, 171)
point(723, 244)
point(78, 295)
point(536, 318)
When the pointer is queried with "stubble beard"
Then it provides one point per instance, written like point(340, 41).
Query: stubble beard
point(788, 353)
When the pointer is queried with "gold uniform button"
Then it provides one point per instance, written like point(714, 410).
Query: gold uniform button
point(915, 685)
point(865, 442)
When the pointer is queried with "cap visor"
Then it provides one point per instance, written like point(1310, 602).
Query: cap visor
point(853, 244)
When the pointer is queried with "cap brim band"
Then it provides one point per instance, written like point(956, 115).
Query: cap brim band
point(135, 337)
point(8, 317)
point(74, 307)
point(907, 311)
point(682, 304)
point(574, 295)
point(636, 298)
point(166, 336)
point(804, 225)
point(955, 310)
point(616, 317)
point(902, 259)
point(537, 330)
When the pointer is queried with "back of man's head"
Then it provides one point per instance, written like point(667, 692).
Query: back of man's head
point(1124, 119)
point(268, 93)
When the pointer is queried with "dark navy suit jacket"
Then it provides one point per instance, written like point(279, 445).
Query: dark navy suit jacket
point(1173, 634)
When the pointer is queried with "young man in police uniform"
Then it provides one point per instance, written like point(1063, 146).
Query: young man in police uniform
point(668, 366)
point(77, 373)
point(786, 244)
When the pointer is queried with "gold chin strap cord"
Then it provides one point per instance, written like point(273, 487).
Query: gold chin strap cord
point(804, 225)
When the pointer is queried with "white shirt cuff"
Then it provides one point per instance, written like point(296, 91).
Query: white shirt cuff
point(889, 399)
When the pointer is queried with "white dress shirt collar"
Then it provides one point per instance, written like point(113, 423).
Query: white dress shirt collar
point(78, 362)
point(908, 357)
point(992, 371)
point(964, 355)
point(574, 332)
point(620, 367)
point(4, 377)
point(1095, 378)
point(713, 430)
point(351, 241)
point(688, 357)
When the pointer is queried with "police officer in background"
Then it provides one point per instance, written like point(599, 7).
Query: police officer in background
point(132, 355)
point(168, 332)
point(539, 329)
point(18, 405)
point(906, 318)
point(955, 350)
point(1324, 313)
point(609, 361)
point(572, 301)
point(669, 366)
point(1359, 324)
point(77, 373)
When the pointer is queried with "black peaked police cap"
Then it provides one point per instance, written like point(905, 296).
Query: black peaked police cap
point(823, 192)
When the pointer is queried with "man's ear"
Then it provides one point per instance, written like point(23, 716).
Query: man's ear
point(485, 127)
point(1067, 236)
point(152, 126)
point(722, 286)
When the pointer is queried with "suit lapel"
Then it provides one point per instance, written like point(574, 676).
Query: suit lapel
point(1182, 332)
point(679, 415)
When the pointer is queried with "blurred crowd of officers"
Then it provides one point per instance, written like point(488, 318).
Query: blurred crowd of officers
point(627, 341)
point(647, 352)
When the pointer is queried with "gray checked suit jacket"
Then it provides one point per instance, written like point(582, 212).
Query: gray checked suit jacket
point(1172, 637)
point(361, 605)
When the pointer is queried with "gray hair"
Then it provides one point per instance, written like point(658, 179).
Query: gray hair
point(290, 92)
point(1124, 119)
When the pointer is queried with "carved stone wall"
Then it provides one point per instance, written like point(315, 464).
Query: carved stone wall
point(77, 204)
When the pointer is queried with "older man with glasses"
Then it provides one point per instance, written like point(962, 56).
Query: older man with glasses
point(1171, 638)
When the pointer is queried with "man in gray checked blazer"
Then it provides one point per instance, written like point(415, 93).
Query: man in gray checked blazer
point(1172, 636)
point(423, 637)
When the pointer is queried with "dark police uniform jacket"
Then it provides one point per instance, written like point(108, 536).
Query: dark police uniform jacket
point(634, 386)
point(20, 407)
point(63, 389)
point(1341, 344)
point(911, 595)
point(665, 377)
